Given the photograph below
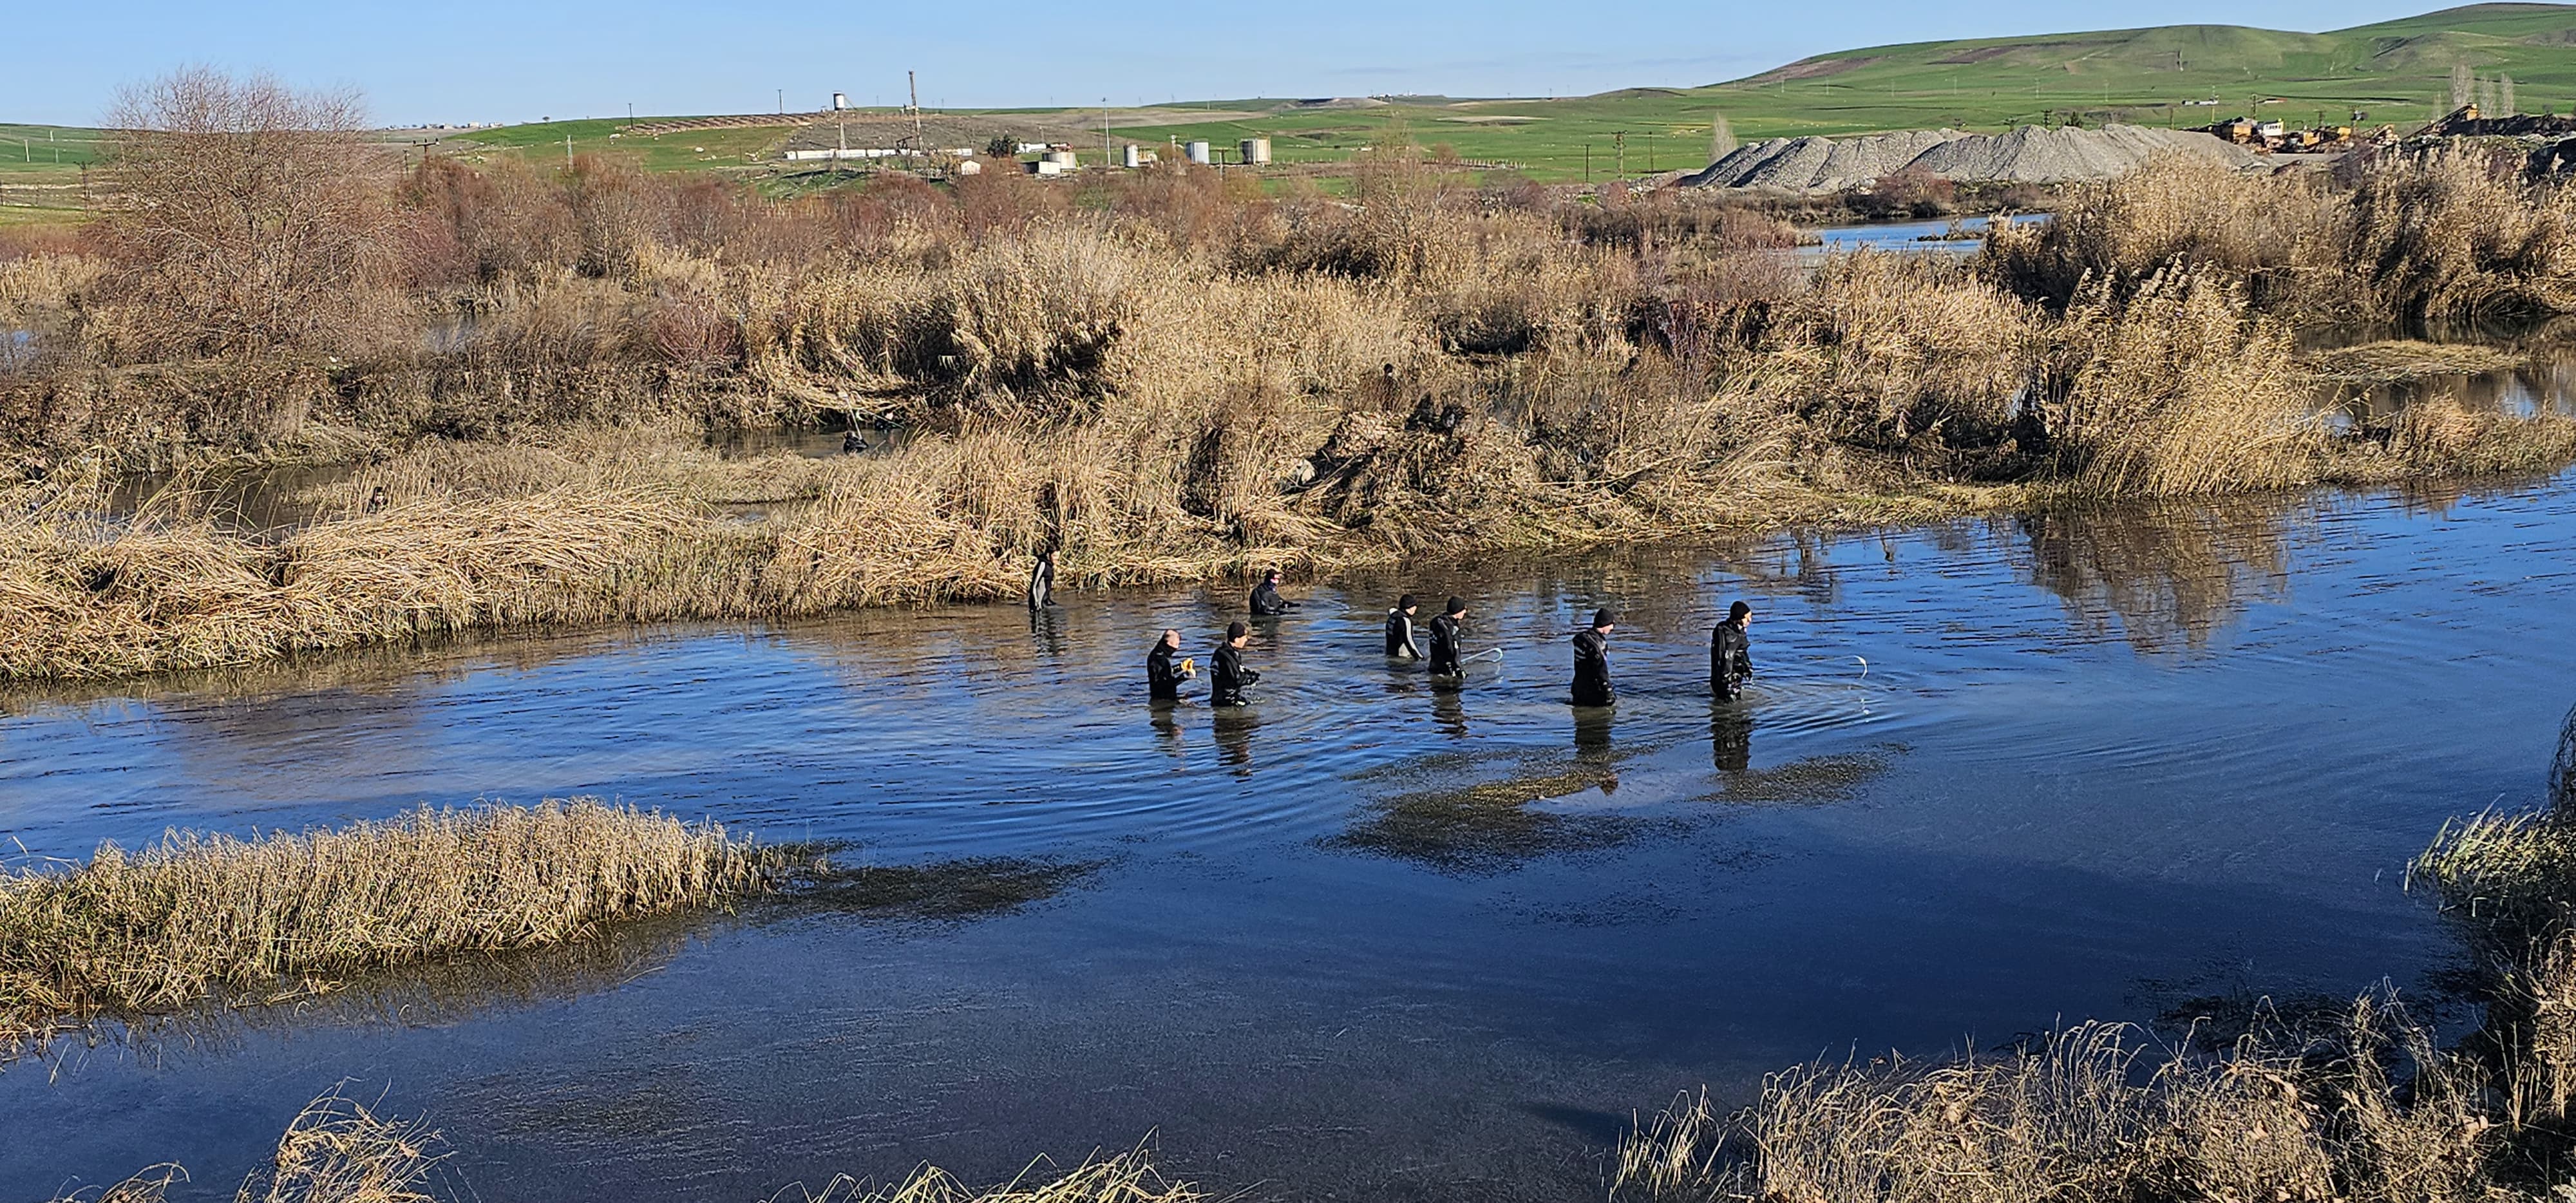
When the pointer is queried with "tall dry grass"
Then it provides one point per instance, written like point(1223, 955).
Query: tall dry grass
point(2405, 237)
point(196, 917)
point(2095, 1114)
point(2176, 390)
point(336, 1150)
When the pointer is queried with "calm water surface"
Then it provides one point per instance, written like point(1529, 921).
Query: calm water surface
point(2114, 764)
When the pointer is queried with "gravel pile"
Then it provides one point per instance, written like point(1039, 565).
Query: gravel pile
point(2029, 155)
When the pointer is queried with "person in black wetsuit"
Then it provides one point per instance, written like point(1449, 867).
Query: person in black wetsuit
point(1230, 674)
point(1730, 653)
point(1162, 677)
point(1399, 630)
point(1042, 580)
point(1266, 602)
point(1444, 640)
point(1592, 662)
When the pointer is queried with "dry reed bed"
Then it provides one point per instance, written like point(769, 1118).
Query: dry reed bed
point(194, 917)
point(1174, 379)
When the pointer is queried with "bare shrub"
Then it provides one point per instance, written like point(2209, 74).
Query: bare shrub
point(252, 218)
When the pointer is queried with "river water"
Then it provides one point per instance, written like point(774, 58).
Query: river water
point(2139, 764)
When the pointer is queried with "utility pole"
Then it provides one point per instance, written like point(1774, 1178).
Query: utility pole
point(913, 86)
point(1619, 145)
point(1587, 162)
point(567, 148)
point(782, 102)
point(1104, 133)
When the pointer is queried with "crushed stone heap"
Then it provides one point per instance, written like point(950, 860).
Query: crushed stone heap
point(2029, 154)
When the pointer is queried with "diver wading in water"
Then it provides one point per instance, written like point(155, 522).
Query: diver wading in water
point(1266, 602)
point(1230, 676)
point(1730, 653)
point(1162, 677)
point(1399, 630)
point(1592, 662)
point(1444, 640)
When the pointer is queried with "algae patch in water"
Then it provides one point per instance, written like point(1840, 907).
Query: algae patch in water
point(1814, 781)
point(974, 887)
point(1488, 827)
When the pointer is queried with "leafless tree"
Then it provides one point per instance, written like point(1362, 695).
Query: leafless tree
point(2505, 106)
point(2464, 86)
point(249, 216)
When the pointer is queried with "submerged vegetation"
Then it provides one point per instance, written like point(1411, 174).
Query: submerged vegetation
point(198, 918)
point(1164, 374)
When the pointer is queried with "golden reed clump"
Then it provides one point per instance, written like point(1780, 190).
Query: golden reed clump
point(196, 918)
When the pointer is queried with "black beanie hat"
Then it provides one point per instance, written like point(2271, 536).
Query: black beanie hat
point(1603, 617)
point(1457, 605)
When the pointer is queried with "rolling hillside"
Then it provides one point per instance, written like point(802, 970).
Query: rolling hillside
point(2395, 71)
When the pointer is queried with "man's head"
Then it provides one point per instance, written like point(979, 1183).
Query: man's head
point(1271, 577)
point(1047, 556)
point(1236, 633)
point(1603, 619)
point(1739, 614)
point(1171, 639)
point(1405, 603)
point(1457, 607)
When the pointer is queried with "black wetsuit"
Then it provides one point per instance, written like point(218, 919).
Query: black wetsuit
point(1399, 636)
point(1266, 601)
point(1229, 676)
point(1730, 660)
point(1592, 670)
point(1042, 585)
point(1162, 677)
point(1444, 646)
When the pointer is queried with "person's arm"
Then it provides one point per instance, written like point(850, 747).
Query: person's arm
point(1744, 654)
point(1412, 647)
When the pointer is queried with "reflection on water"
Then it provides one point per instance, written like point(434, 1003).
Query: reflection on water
point(2163, 574)
point(2545, 386)
point(1370, 938)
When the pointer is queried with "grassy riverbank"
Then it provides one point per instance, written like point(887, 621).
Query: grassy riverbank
point(194, 919)
point(1167, 376)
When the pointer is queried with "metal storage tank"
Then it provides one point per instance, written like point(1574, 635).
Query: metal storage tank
point(1062, 158)
point(1134, 156)
point(1256, 150)
point(1199, 153)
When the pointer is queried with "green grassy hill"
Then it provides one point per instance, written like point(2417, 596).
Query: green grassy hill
point(2396, 71)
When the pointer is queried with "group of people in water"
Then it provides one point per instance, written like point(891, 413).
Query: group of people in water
point(1730, 657)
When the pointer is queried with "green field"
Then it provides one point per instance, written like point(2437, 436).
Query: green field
point(28, 151)
point(694, 150)
point(2397, 72)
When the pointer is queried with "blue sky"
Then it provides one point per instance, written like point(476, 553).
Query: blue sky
point(485, 61)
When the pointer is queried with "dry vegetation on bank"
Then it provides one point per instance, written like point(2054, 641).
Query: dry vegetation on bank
point(1167, 374)
point(338, 1150)
point(197, 918)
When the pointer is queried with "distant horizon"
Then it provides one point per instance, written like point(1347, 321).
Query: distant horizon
point(590, 59)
